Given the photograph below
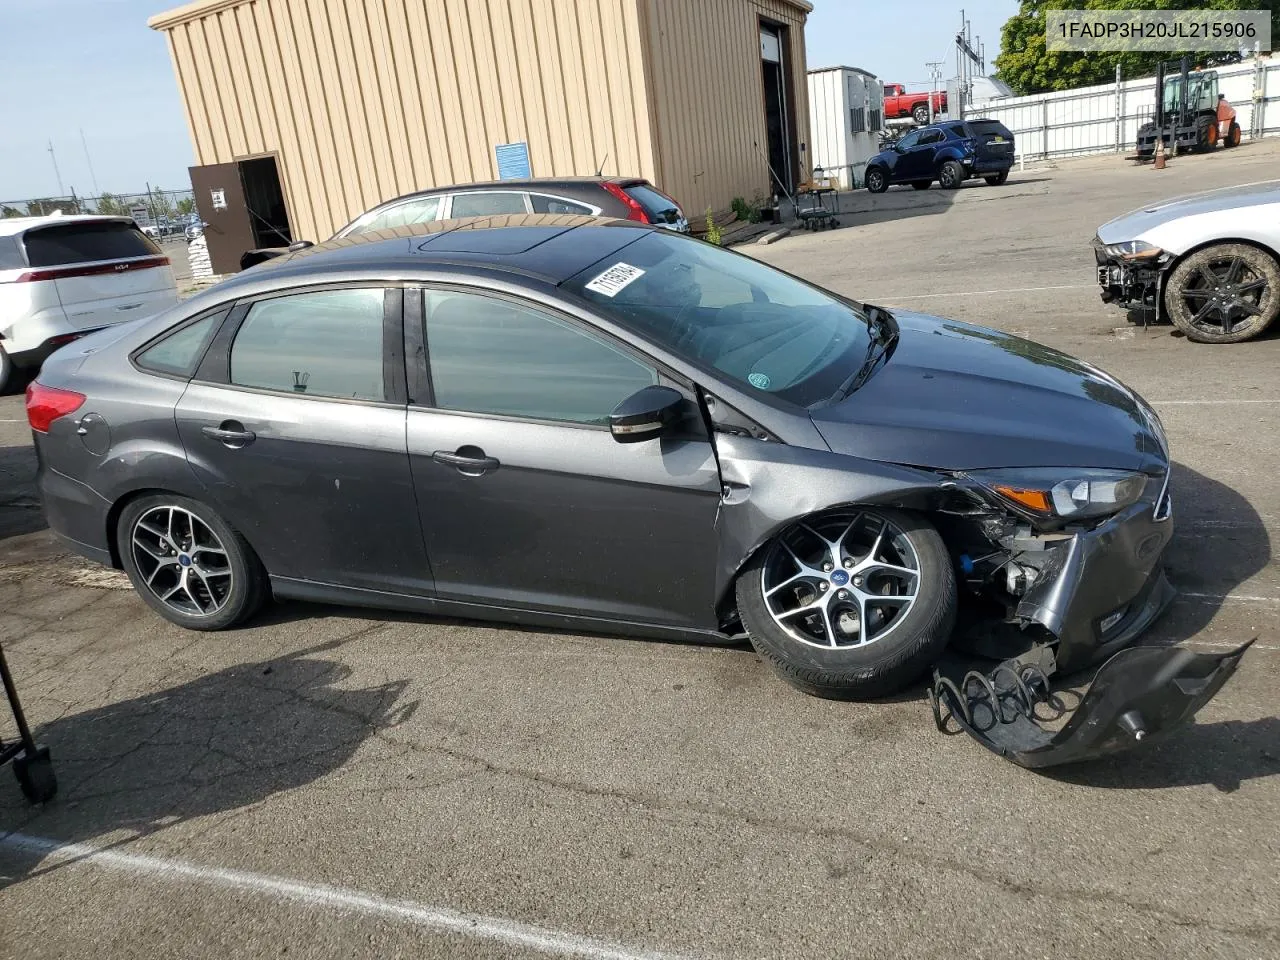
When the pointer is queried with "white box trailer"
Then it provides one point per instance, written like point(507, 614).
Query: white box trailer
point(846, 117)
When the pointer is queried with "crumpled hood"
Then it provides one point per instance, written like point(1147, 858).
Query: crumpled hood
point(1134, 224)
point(959, 397)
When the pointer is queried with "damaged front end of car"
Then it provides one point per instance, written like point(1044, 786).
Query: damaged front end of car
point(1131, 275)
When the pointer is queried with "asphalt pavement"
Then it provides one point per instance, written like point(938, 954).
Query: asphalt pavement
point(343, 783)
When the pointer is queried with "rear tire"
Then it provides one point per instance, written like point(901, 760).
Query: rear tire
point(922, 184)
point(8, 373)
point(877, 180)
point(908, 640)
point(188, 564)
point(951, 175)
point(998, 179)
point(1226, 293)
point(920, 113)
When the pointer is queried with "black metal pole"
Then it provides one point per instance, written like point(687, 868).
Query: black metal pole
point(24, 732)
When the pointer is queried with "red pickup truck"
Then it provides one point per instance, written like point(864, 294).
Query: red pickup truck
point(899, 103)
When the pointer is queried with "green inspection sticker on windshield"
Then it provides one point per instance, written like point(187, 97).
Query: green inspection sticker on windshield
point(615, 279)
point(759, 380)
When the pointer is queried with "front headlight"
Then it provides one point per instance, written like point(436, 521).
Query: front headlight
point(1064, 493)
point(1133, 250)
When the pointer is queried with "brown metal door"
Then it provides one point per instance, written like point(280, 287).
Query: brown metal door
point(220, 201)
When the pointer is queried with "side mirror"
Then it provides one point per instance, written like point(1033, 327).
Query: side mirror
point(646, 414)
point(300, 245)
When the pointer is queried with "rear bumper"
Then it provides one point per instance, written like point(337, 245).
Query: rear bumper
point(76, 514)
point(984, 166)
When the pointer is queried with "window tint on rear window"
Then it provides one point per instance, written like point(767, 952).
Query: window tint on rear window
point(659, 207)
point(543, 204)
point(990, 128)
point(10, 255)
point(86, 242)
point(179, 353)
point(486, 204)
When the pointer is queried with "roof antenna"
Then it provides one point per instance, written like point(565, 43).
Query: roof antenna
point(600, 169)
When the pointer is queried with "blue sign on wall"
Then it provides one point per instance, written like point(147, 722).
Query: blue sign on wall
point(513, 161)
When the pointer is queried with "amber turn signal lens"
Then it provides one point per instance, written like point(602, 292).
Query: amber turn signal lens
point(1036, 500)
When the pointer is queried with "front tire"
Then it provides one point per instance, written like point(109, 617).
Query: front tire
point(852, 604)
point(1226, 293)
point(877, 180)
point(1233, 135)
point(188, 564)
point(951, 175)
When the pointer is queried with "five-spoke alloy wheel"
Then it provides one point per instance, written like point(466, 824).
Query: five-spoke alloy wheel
point(188, 564)
point(850, 604)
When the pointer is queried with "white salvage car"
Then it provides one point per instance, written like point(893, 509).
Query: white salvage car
point(1209, 263)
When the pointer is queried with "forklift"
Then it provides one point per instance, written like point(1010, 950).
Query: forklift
point(1191, 115)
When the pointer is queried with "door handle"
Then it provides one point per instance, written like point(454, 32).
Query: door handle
point(468, 461)
point(231, 434)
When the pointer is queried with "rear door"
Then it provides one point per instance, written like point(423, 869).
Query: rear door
point(994, 140)
point(488, 203)
point(295, 425)
point(104, 271)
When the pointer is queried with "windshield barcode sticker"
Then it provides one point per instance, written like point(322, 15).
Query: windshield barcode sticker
point(615, 279)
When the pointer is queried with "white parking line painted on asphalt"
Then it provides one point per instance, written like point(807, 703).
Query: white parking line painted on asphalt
point(979, 293)
point(1193, 403)
point(1243, 598)
point(441, 919)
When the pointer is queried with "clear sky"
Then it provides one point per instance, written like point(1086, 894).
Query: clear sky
point(92, 65)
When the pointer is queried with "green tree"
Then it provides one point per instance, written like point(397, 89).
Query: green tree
point(186, 207)
point(6, 212)
point(111, 206)
point(1026, 66)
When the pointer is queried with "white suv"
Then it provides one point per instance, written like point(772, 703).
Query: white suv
point(64, 276)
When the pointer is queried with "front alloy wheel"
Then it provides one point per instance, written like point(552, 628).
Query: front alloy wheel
point(850, 604)
point(1226, 293)
point(877, 180)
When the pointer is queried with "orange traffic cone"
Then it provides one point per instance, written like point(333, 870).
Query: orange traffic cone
point(1159, 152)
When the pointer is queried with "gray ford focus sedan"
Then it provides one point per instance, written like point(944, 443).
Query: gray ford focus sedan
point(600, 425)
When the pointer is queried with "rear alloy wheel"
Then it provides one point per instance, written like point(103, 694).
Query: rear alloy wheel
point(920, 113)
point(997, 179)
point(951, 175)
point(188, 564)
point(922, 184)
point(1227, 293)
point(877, 180)
point(851, 604)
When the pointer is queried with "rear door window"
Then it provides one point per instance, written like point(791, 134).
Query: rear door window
point(487, 204)
point(86, 241)
point(959, 130)
point(657, 206)
point(544, 204)
point(326, 344)
point(930, 136)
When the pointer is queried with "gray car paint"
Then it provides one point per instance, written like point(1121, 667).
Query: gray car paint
point(632, 563)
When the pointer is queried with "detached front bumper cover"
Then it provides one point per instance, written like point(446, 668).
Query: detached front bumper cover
point(1136, 698)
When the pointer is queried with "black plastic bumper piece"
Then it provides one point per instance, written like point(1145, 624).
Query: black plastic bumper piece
point(1137, 698)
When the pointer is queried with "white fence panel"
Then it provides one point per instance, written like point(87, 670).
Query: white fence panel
point(1106, 117)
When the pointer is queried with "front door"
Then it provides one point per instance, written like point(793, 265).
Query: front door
point(918, 161)
point(295, 424)
point(526, 500)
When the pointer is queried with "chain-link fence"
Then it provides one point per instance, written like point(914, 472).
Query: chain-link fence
point(166, 210)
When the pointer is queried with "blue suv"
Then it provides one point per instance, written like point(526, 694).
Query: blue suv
point(950, 153)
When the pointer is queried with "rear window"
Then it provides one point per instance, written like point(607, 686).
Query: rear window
point(86, 242)
point(179, 353)
point(10, 255)
point(659, 207)
point(990, 128)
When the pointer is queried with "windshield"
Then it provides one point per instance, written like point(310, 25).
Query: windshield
point(768, 331)
point(1202, 92)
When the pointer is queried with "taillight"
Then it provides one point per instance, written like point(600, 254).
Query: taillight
point(47, 404)
point(634, 210)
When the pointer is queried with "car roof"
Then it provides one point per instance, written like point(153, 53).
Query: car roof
point(533, 184)
point(10, 226)
point(548, 247)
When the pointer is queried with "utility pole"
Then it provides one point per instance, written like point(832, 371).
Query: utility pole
point(935, 74)
point(54, 158)
point(967, 57)
point(87, 159)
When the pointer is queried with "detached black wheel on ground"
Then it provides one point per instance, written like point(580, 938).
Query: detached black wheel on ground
point(851, 604)
point(997, 179)
point(951, 175)
point(877, 180)
point(1226, 293)
point(188, 564)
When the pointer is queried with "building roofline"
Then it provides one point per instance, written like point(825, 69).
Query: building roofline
point(191, 11)
point(865, 73)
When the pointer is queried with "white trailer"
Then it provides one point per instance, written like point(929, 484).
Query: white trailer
point(846, 117)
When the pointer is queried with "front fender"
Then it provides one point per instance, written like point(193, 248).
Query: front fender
point(769, 485)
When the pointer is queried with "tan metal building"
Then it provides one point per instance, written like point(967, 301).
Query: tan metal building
point(308, 112)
